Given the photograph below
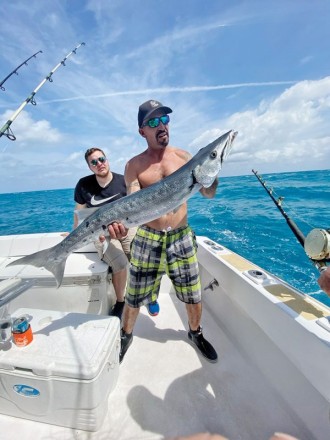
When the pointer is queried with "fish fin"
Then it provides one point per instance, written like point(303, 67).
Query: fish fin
point(44, 259)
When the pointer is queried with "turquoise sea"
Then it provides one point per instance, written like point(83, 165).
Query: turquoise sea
point(242, 217)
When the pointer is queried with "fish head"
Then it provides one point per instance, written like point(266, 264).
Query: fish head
point(209, 159)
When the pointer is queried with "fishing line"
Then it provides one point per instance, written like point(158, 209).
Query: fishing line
point(289, 208)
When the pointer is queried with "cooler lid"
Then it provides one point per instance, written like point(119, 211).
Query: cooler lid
point(68, 345)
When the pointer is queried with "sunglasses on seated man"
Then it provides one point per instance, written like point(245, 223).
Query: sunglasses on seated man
point(154, 122)
point(101, 159)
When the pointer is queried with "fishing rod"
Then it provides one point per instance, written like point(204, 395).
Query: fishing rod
point(318, 250)
point(6, 130)
point(15, 70)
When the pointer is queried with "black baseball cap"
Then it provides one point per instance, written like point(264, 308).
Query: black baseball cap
point(147, 109)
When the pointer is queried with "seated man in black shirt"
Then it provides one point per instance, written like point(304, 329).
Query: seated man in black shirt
point(95, 190)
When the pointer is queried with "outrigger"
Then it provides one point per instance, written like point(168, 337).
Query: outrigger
point(17, 68)
point(6, 130)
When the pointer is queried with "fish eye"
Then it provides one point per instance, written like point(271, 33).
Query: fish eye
point(213, 155)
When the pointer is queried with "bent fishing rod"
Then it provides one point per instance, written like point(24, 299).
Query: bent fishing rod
point(316, 244)
point(15, 70)
point(6, 130)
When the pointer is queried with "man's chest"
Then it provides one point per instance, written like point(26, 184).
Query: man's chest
point(158, 171)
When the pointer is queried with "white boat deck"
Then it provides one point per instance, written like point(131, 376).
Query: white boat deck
point(273, 345)
point(166, 389)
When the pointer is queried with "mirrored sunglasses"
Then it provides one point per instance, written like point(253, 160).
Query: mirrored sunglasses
point(101, 159)
point(154, 122)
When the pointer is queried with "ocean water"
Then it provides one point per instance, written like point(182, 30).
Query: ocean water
point(241, 217)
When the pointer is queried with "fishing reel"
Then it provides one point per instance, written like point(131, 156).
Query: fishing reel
point(317, 244)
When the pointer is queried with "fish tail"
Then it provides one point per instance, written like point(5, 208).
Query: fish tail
point(44, 258)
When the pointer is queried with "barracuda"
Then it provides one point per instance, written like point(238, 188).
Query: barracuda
point(139, 207)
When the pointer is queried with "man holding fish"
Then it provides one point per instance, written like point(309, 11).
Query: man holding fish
point(159, 182)
point(166, 244)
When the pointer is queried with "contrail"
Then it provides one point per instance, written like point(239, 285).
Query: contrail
point(191, 89)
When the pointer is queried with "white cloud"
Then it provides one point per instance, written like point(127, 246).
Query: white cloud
point(74, 156)
point(289, 132)
point(293, 126)
point(38, 131)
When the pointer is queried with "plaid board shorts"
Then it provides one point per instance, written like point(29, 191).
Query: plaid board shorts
point(155, 252)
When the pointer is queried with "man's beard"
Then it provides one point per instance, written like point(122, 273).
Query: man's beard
point(162, 140)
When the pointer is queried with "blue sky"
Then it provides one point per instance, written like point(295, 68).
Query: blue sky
point(259, 67)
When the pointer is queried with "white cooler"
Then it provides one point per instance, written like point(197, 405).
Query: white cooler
point(65, 375)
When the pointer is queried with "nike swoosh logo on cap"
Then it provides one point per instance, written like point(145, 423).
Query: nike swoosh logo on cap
point(98, 202)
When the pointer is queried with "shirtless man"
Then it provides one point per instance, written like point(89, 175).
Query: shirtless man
point(168, 238)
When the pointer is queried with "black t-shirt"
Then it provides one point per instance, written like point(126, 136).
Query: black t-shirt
point(89, 192)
